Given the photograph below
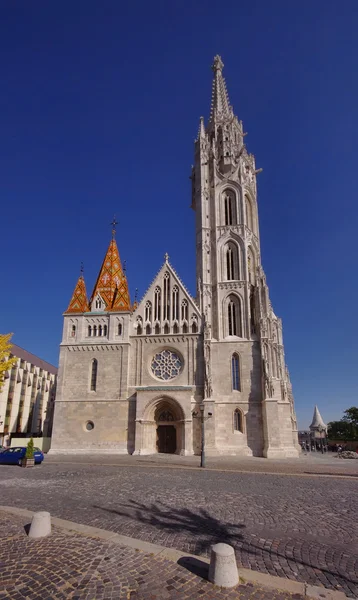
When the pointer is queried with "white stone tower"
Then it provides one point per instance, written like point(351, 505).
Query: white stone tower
point(244, 356)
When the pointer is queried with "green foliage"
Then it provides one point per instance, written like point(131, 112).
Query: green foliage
point(30, 449)
point(5, 361)
point(351, 415)
point(347, 428)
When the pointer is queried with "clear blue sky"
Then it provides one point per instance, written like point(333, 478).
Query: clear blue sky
point(99, 107)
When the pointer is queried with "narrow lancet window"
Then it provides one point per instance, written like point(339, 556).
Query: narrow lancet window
point(94, 368)
point(235, 372)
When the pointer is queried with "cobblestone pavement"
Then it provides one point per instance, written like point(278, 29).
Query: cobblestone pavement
point(300, 527)
point(69, 566)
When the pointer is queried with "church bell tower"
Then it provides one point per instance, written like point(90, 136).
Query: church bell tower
point(243, 345)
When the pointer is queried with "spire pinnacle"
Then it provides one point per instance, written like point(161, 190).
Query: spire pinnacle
point(114, 223)
point(111, 284)
point(220, 105)
point(79, 302)
point(317, 420)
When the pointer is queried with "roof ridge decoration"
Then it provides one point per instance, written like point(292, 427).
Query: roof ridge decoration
point(111, 282)
point(220, 104)
point(79, 301)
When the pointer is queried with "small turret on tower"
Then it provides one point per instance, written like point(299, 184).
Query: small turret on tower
point(79, 301)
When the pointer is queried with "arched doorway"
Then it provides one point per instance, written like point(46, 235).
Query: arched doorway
point(163, 427)
point(166, 431)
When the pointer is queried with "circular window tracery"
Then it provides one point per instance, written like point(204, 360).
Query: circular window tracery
point(166, 365)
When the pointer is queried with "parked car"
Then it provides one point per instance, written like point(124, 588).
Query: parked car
point(13, 456)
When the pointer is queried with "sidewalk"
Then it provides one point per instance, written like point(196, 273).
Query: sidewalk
point(78, 562)
point(306, 465)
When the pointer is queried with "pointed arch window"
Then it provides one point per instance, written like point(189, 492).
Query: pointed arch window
point(175, 302)
point(95, 330)
point(73, 331)
point(100, 330)
point(89, 331)
point(148, 311)
point(157, 329)
point(235, 372)
point(232, 262)
point(157, 303)
point(184, 310)
point(166, 299)
point(119, 328)
point(230, 215)
point(148, 330)
point(166, 329)
point(238, 424)
point(105, 330)
point(175, 328)
point(94, 369)
point(234, 316)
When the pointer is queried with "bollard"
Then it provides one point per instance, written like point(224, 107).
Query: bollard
point(223, 568)
point(40, 525)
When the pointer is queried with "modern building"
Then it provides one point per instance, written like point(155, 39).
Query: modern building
point(27, 397)
point(132, 377)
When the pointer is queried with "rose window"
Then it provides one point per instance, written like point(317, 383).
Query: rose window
point(166, 365)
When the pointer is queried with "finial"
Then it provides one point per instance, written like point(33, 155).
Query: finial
point(166, 257)
point(114, 223)
point(218, 64)
point(136, 296)
point(81, 269)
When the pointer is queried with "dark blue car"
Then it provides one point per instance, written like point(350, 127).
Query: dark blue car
point(13, 456)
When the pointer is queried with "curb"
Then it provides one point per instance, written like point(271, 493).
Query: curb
point(247, 575)
point(55, 460)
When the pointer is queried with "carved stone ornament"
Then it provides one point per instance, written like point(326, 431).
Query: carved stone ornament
point(232, 285)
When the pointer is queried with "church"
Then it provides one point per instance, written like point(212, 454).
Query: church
point(133, 378)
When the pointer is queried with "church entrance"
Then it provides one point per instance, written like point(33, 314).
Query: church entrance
point(162, 429)
point(166, 439)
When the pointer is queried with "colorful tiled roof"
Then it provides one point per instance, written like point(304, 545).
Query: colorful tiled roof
point(111, 283)
point(79, 302)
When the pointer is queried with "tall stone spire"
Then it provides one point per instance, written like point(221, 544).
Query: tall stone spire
point(111, 284)
point(317, 420)
point(220, 105)
point(79, 302)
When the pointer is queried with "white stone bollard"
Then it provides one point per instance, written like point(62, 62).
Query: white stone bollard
point(40, 525)
point(223, 568)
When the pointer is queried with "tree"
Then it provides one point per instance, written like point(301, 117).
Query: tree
point(351, 415)
point(5, 361)
point(346, 428)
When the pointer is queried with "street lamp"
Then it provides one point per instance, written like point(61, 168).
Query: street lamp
point(202, 418)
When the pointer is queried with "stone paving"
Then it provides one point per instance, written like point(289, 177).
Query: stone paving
point(69, 566)
point(301, 527)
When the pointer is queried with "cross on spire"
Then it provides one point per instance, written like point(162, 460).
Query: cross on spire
point(114, 223)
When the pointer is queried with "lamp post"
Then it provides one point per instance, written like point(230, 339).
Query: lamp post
point(200, 415)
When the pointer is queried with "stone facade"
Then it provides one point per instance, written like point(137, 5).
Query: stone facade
point(133, 377)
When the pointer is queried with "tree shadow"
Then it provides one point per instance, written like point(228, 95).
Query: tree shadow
point(204, 529)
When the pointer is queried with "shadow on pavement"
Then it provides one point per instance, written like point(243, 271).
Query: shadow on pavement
point(204, 528)
point(195, 566)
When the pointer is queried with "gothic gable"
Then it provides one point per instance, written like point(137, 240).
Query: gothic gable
point(167, 307)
